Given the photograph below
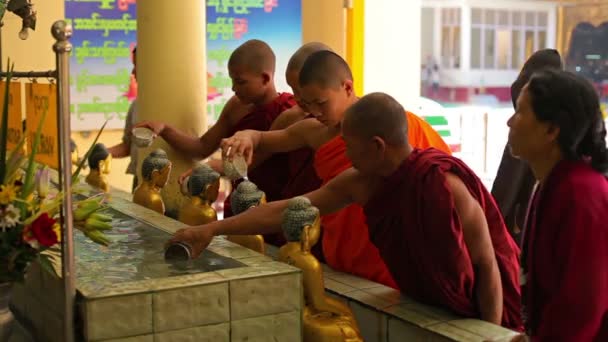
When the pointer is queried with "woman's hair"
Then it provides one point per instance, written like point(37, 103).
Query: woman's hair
point(571, 103)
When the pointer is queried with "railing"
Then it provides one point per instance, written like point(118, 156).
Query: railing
point(62, 32)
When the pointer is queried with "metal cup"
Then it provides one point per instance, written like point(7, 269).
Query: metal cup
point(178, 251)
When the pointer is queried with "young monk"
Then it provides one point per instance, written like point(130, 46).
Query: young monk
point(326, 86)
point(436, 226)
point(514, 180)
point(256, 105)
point(559, 130)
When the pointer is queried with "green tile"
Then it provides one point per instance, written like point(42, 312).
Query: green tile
point(455, 333)
point(352, 281)
point(370, 300)
point(389, 294)
point(419, 314)
point(484, 329)
point(337, 287)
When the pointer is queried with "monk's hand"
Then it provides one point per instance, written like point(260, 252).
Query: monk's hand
point(198, 238)
point(240, 144)
point(155, 126)
point(183, 176)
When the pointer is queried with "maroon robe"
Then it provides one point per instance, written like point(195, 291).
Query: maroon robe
point(271, 175)
point(565, 256)
point(413, 222)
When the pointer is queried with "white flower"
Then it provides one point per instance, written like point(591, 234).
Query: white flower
point(9, 217)
point(43, 179)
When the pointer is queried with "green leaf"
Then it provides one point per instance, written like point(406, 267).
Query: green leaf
point(4, 130)
point(28, 183)
point(86, 156)
point(47, 265)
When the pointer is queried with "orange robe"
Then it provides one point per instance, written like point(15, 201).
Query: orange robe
point(346, 243)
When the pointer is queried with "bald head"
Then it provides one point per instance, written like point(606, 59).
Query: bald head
point(377, 115)
point(299, 57)
point(253, 55)
point(325, 69)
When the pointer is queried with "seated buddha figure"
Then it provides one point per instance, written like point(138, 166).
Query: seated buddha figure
point(155, 171)
point(247, 195)
point(100, 163)
point(203, 188)
point(325, 318)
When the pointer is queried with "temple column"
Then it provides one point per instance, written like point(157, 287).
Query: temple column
point(171, 75)
point(393, 67)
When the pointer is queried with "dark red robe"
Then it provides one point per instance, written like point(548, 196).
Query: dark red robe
point(565, 256)
point(346, 245)
point(414, 224)
point(271, 175)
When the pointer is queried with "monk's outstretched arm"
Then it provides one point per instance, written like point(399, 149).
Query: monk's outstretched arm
point(479, 244)
point(265, 218)
point(248, 142)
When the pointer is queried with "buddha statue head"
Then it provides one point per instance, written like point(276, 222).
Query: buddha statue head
point(100, 159)
point(156, 168)
point(245, 196)
point(204, 182)
point(74, 152)
point(301, 222)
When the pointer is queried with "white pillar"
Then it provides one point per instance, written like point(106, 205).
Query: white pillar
point(392, 48)
point(465, 38)
point(171, 75)
point(552, 28)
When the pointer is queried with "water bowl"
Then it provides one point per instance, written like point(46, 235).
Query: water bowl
point(143, 137)
point(236, 168)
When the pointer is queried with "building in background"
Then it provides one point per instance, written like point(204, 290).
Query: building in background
point(472, 50)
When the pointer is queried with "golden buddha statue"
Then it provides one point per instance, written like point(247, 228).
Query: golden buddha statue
point(100, 163)
point(203, 188)
point(155, 171)
point(325, 319)
point(247, 195)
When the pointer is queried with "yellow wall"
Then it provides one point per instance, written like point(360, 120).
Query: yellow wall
point(325, 21)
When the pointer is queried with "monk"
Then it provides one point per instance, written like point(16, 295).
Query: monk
point(559, 131)
point(302, 177)
point(255, 106)
point(514, 180)
point(326, 90)
point(435, 225)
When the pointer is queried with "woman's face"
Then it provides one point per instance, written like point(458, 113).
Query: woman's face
point(530, 138)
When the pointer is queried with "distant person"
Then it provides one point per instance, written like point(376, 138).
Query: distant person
point(126, 148)
point(514, 180)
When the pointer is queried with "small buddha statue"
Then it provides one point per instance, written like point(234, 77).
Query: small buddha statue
point(100, 163)
point(203, 188)
point(247, 195)
point(155, 171)
point(325, 319)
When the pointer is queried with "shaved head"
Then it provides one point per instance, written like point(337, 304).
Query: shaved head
point(299, 57)
point(325, 69)
point(377, 115)
point(254, 55)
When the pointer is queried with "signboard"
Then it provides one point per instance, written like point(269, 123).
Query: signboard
point(104, 34)
point(40, 99)
point(230, 23)
point(15, 126)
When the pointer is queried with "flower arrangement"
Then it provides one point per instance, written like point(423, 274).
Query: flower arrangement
point(29, 211)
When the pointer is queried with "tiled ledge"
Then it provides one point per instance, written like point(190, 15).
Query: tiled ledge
point(385, 315)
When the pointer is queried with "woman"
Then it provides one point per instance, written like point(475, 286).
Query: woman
point(558, 129)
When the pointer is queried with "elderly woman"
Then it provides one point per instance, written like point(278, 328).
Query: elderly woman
point(558, 129)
